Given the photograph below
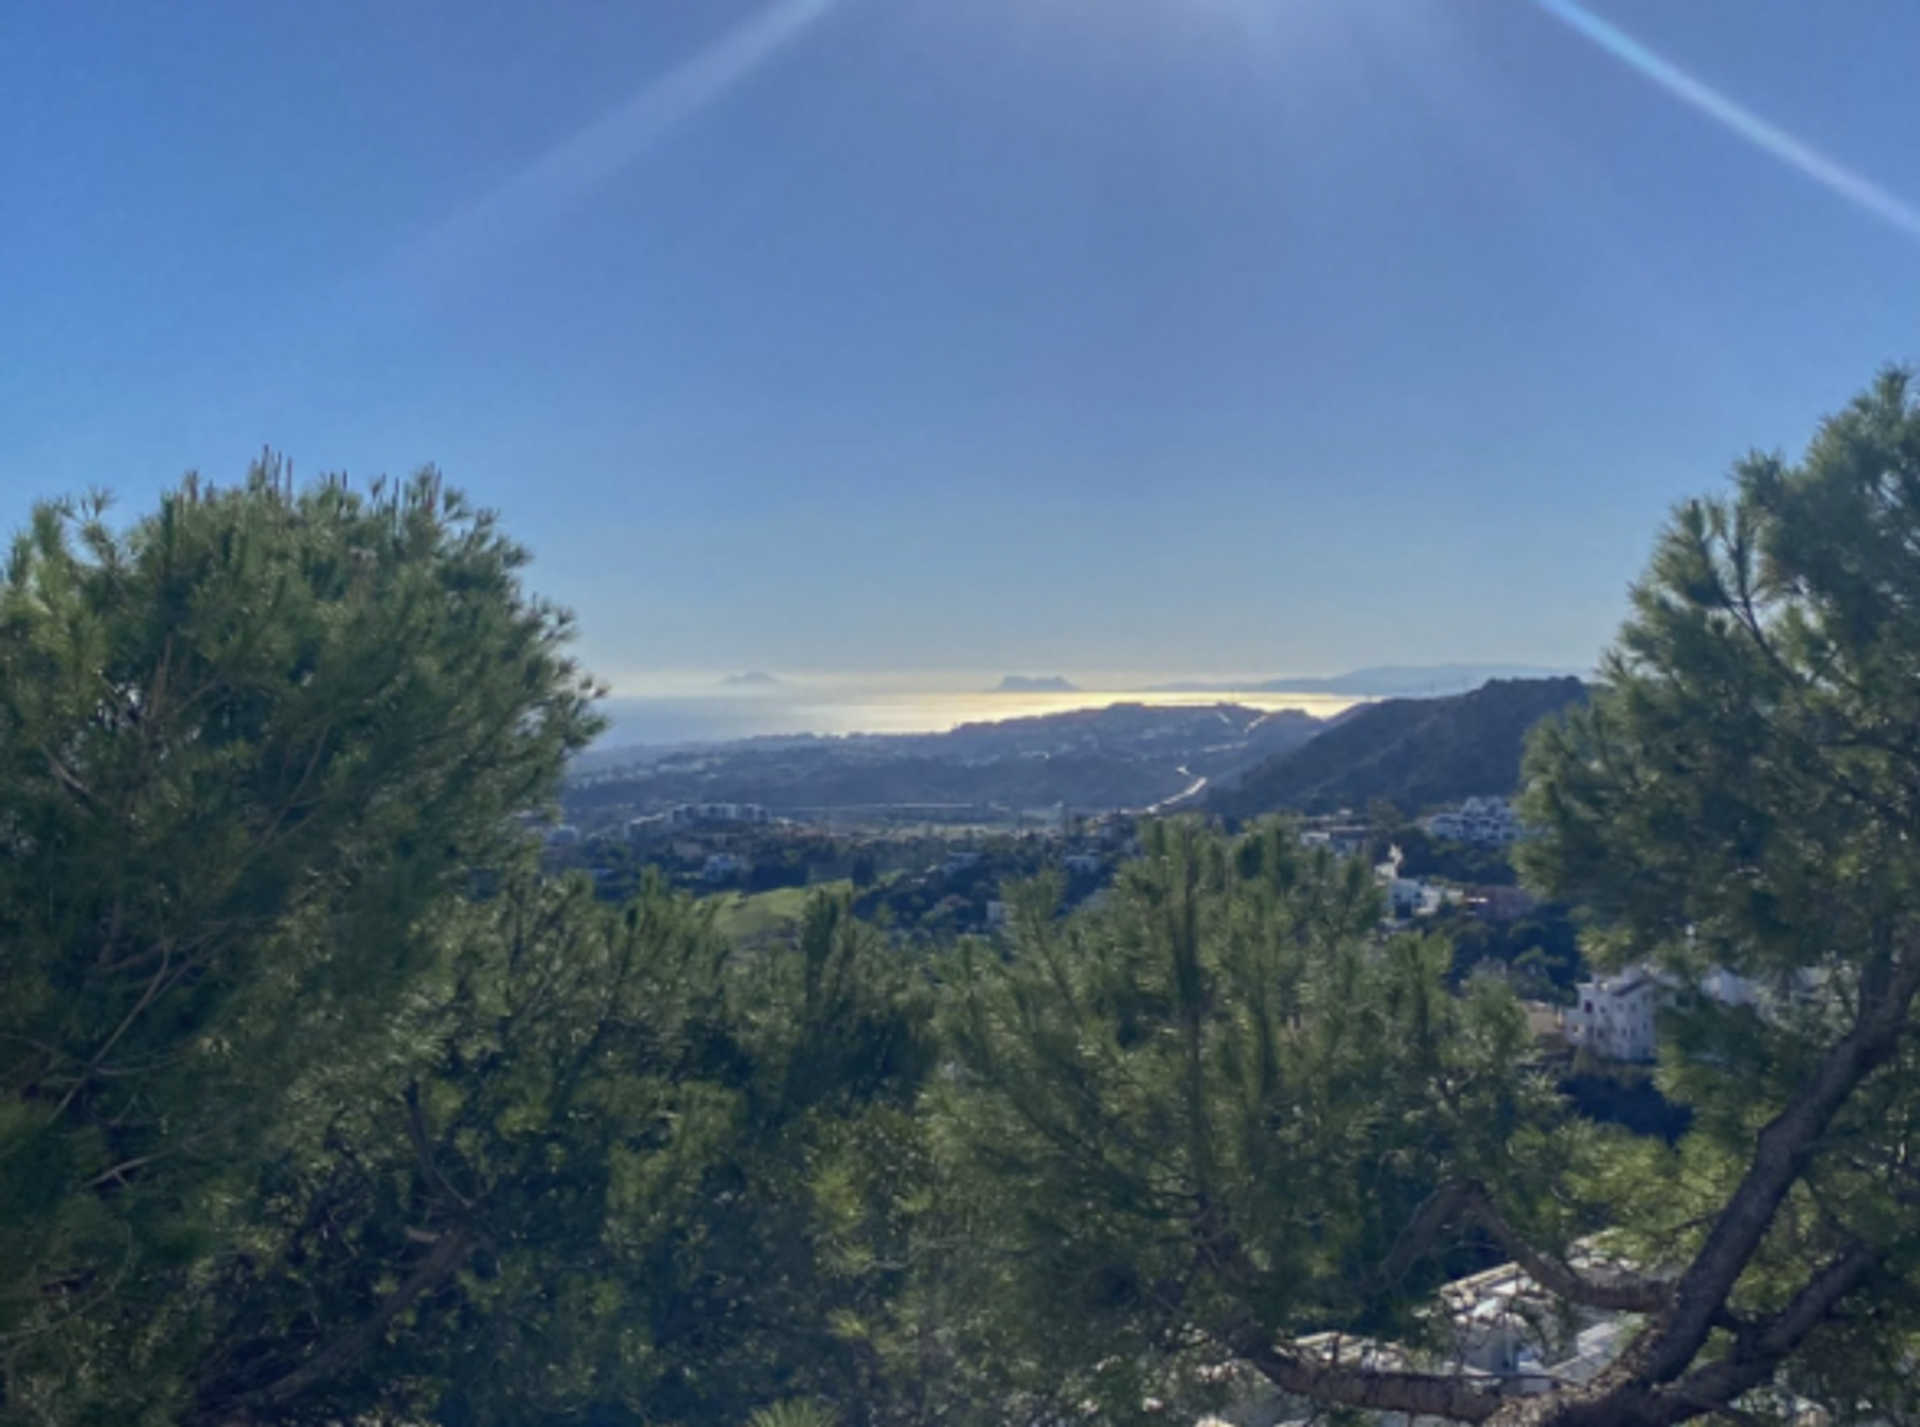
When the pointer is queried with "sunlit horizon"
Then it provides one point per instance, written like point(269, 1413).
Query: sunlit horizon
point(1133, 341)
point(723, 718)
point(699, 707)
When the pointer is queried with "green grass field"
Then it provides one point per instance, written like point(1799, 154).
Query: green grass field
point(744, 918)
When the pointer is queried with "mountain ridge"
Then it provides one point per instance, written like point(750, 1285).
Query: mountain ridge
point(1377, 681)
point(1415, 753)
point(1036, 684)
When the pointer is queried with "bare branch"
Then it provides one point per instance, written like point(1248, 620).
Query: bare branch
point(1416, 1238)
point(1459, 1199)
point(106, 1291)
point(119, 1172)
point(67, 779)
point(1447, 1395)
point(155, 986)
point(439, 1265)
point(423, 1146)
point(1622, 1294)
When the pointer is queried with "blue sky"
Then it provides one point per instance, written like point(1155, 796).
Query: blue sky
point(1157, 337)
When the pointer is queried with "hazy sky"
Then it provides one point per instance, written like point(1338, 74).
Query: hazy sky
point(1171, 336)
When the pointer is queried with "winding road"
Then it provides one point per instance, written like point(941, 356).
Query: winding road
point(1166, 805)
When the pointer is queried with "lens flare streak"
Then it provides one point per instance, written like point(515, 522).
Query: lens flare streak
point(574, 168)
point(1836, 177)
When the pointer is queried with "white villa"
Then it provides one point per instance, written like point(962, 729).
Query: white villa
point(1614, 1015)
point(1483, 820)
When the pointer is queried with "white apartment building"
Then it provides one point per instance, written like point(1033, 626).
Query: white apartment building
point(1613, 1016)
point(1484, 820)
point(705, 814)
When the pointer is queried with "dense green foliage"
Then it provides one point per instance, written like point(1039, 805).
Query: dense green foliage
point(1424, 855)
point(320, 1102)
point(315, 1100)
point(1538, 954)
point(1198, 1118)
point(1744, 794)
point(243, 747)
point(1414, 753)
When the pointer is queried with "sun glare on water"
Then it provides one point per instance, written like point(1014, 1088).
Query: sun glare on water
point(935, 713)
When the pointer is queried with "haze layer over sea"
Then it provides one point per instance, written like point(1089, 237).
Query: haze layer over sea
point(675, 718)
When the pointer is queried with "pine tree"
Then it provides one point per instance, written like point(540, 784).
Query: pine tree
point(1195, 1123)
point(1742, 797)
point(318, 1101)
point(1214, 1118)
point(247, 747)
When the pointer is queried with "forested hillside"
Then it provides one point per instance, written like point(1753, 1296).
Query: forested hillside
point(1122, 756)
point(1412, 753)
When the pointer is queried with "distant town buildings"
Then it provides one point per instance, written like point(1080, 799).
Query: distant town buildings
point(1349, 840)
point(1487, 821)
point(699, 817)
point(718, 814)
point(723, 867)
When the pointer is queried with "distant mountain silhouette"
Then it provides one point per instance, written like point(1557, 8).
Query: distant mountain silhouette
point(1043, 684)
point(1413, 753)
point(754, 680)
point(1384, 681)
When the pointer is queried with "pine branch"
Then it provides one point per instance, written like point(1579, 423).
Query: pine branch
point(1779, 1159)
point(1758, 1354)
point(439, 1265)
point(1447, 1395)
point(1621, 1294)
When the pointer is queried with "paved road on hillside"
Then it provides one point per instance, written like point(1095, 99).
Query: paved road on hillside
point(1168, 804)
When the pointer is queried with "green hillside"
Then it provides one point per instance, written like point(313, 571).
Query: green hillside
point(1413, 753)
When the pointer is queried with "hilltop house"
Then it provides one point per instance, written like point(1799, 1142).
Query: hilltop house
point(1488, 821)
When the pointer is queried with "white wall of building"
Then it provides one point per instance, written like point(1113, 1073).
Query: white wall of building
point(1613, 1016)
